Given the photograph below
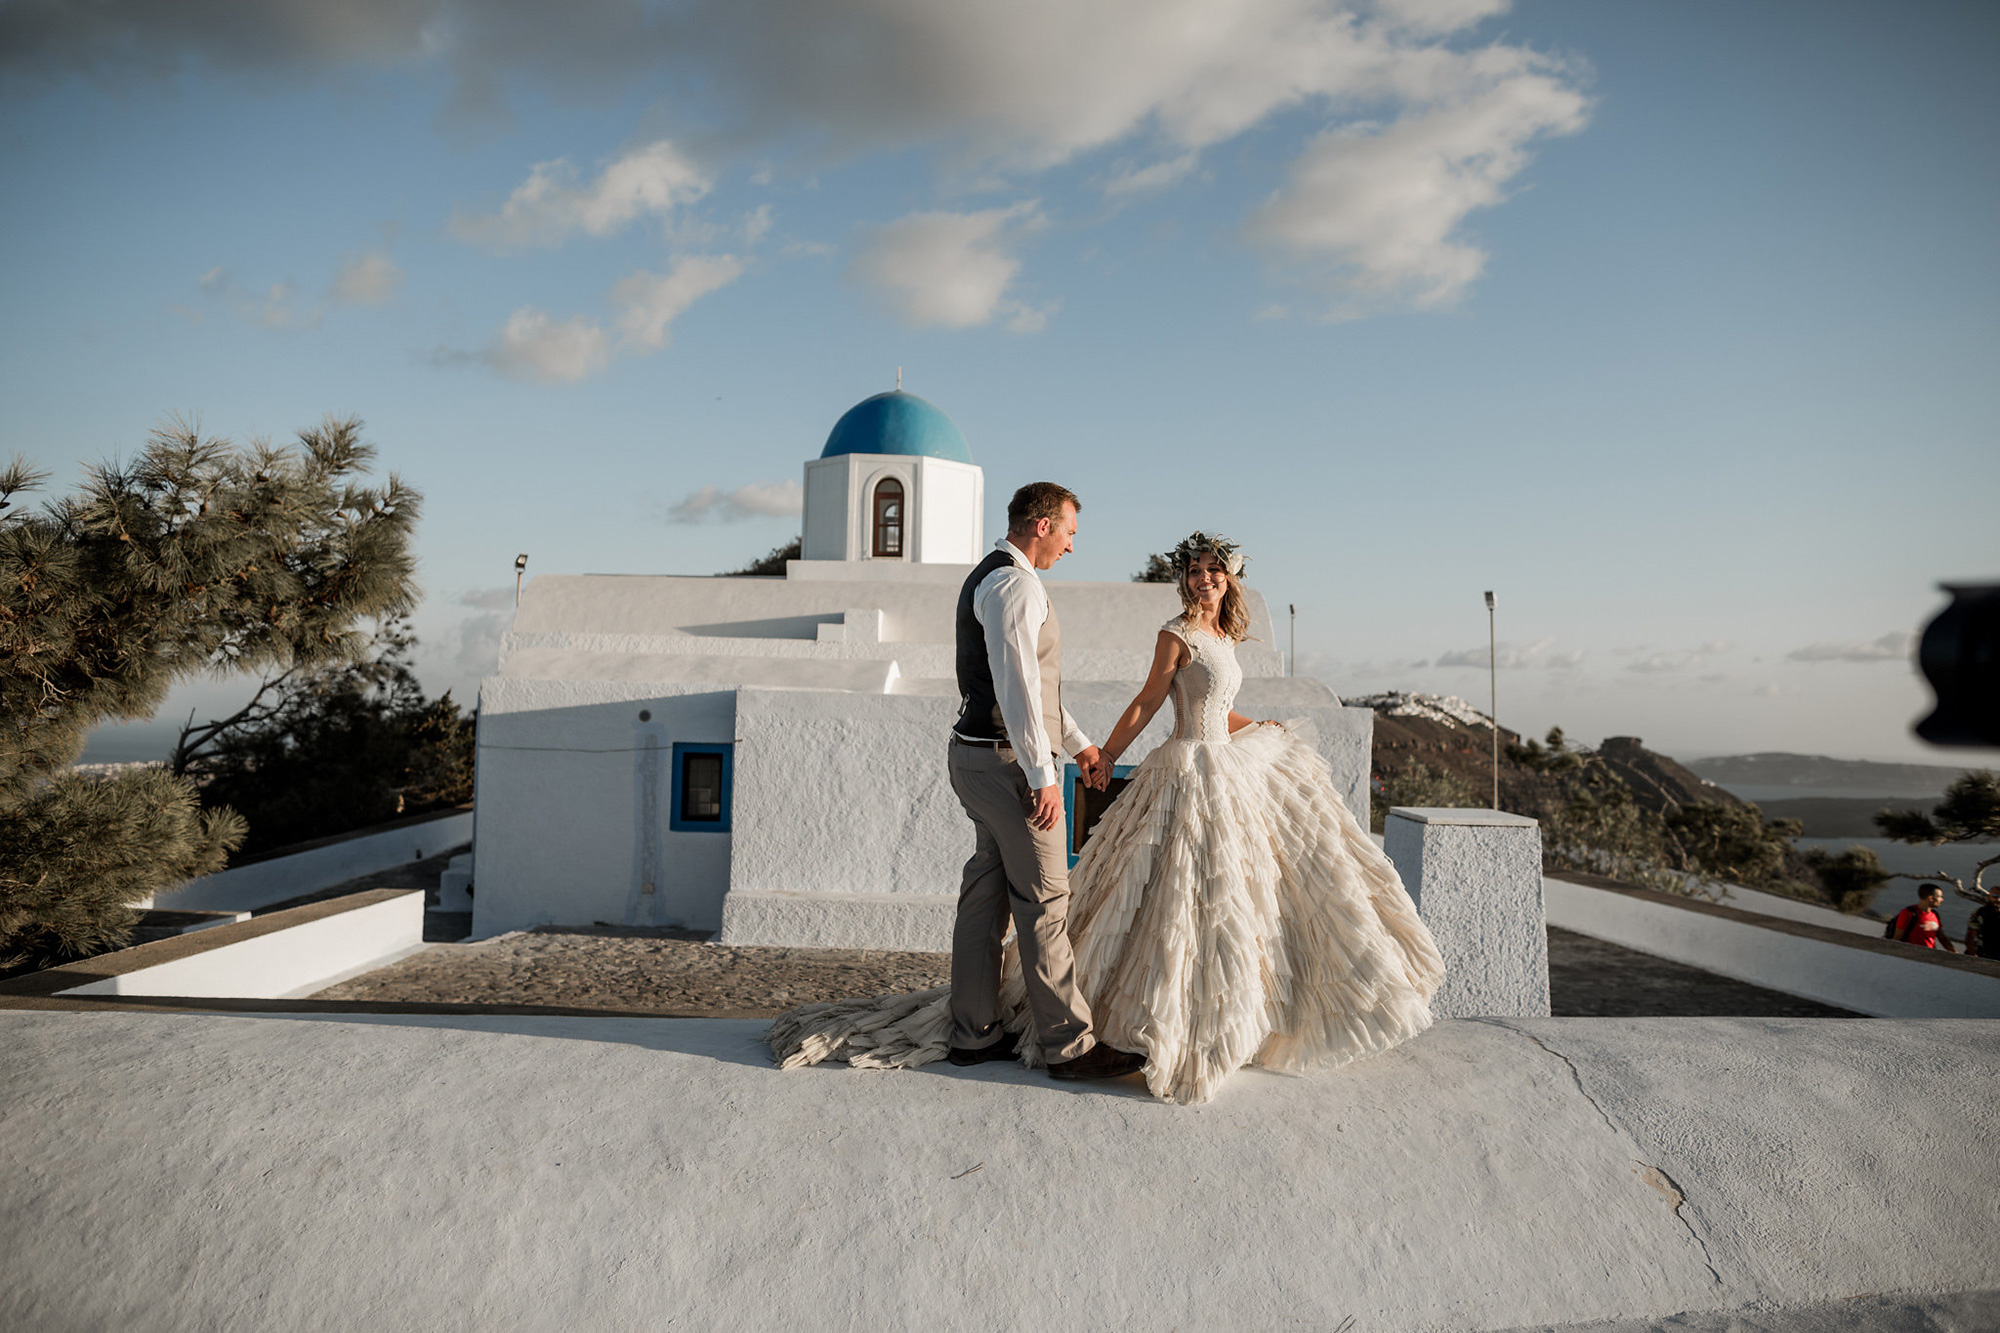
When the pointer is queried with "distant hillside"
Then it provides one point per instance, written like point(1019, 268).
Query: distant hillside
point(1443, 732)
point(1777, 769)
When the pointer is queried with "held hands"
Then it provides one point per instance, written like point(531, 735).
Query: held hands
point(1094, 768)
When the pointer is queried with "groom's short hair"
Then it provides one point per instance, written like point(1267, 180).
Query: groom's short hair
point(1039, 499)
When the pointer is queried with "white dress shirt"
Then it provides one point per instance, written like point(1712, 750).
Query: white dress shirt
point(1011, 605)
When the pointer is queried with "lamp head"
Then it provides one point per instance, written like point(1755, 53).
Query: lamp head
point(521, 563)
point(1489, 599)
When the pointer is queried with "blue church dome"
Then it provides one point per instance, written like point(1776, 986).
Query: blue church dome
point(896, 423)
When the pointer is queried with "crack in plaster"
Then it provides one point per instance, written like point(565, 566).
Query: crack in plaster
point(1678, 1197)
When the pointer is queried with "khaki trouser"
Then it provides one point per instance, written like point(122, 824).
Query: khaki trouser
point(1020, 872)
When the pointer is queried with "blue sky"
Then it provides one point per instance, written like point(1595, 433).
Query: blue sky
point(1673, 323)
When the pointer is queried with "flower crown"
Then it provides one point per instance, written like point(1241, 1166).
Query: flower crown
point(1201, 543)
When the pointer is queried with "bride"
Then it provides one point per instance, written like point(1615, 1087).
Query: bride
point(1227, 910)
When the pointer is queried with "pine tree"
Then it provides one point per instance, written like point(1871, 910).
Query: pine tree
point(198, 556)
point(339, 747)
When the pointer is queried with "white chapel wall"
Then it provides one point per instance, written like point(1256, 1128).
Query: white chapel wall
point(574, 801)
point(823, 535)
point(949, 512)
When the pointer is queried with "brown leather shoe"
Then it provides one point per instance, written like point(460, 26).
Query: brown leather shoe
point(1100, 1061)
point(1002, 1049)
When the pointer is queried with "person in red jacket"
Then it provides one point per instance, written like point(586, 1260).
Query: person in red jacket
point(1918, 923)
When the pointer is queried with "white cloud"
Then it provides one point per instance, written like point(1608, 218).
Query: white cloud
point(1423, 121)
point(548, 208)
point(488, 599)
point(275, 306)
point(1438, 16)
point(1896, 646)
point(1153, 177)
point(367, 279)
point(533, 346)
point(1375, 211)
point(1656, 663)
point(479, 642)
point(758, 499)
point(1541, 653)
point(951, 270)
point(652, 302)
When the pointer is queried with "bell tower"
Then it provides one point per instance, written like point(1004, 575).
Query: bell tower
point(894, 482)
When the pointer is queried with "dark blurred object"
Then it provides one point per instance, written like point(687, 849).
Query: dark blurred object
point(1960, 656)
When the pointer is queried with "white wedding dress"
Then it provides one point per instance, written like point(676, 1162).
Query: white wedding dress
point(1227, 910)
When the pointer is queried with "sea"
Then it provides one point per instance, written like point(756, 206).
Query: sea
point(1896, 857)
point(1900, 857)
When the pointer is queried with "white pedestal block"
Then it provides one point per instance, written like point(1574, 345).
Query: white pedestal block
point(454, 883)
point(1476, 876)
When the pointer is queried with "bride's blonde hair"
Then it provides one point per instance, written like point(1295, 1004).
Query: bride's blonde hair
point(1232, 618)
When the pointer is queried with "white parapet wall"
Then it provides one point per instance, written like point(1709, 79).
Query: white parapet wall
point(859, 840)
point(1476, 876)
point(912, 922)
point(281, 956)
point(1864, 973)
point(322, 865)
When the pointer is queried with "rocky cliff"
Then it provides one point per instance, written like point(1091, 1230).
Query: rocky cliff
point(1446, 734)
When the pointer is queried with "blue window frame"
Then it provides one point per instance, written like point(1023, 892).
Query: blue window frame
point(702, 772)
point(1094, 804)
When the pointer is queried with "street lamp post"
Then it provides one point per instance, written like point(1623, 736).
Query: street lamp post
point(1293, 670)
point(1493, 694)
point(520, 570)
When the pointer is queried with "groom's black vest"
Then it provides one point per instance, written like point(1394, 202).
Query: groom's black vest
point(979, 703)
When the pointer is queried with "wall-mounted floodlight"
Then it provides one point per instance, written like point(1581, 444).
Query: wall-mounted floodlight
point(521, 569)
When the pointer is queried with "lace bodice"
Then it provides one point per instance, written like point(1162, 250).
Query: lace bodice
point(1204, 689)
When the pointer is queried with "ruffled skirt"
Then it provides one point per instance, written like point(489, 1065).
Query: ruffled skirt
point(1228, 910)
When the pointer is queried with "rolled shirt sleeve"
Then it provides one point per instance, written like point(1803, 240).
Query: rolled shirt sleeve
point(1074, 741)
point(1011, 606)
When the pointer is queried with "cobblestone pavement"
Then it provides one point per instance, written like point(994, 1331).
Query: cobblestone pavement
point(680, 972)
point(1592, 979)
point(656, 970)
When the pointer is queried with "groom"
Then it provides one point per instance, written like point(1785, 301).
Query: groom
point(1004, 769)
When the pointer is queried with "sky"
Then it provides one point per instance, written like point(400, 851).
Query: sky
point(1672, 323)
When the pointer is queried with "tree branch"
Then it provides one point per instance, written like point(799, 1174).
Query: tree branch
point(193, 740)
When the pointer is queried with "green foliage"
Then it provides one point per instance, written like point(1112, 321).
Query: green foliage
point(197, 556)
point(79, 850)
point(1600, 828)
point(1850, 879)
point(1731, 842)
point(773, 563)
point(1157, 569)
point(1556, 757)
point(1419, 785)
point(341, 747)
point(1969, 812)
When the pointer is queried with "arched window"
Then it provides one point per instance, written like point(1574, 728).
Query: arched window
point(888, 518)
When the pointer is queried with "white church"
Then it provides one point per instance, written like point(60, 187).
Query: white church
point(765, 756)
